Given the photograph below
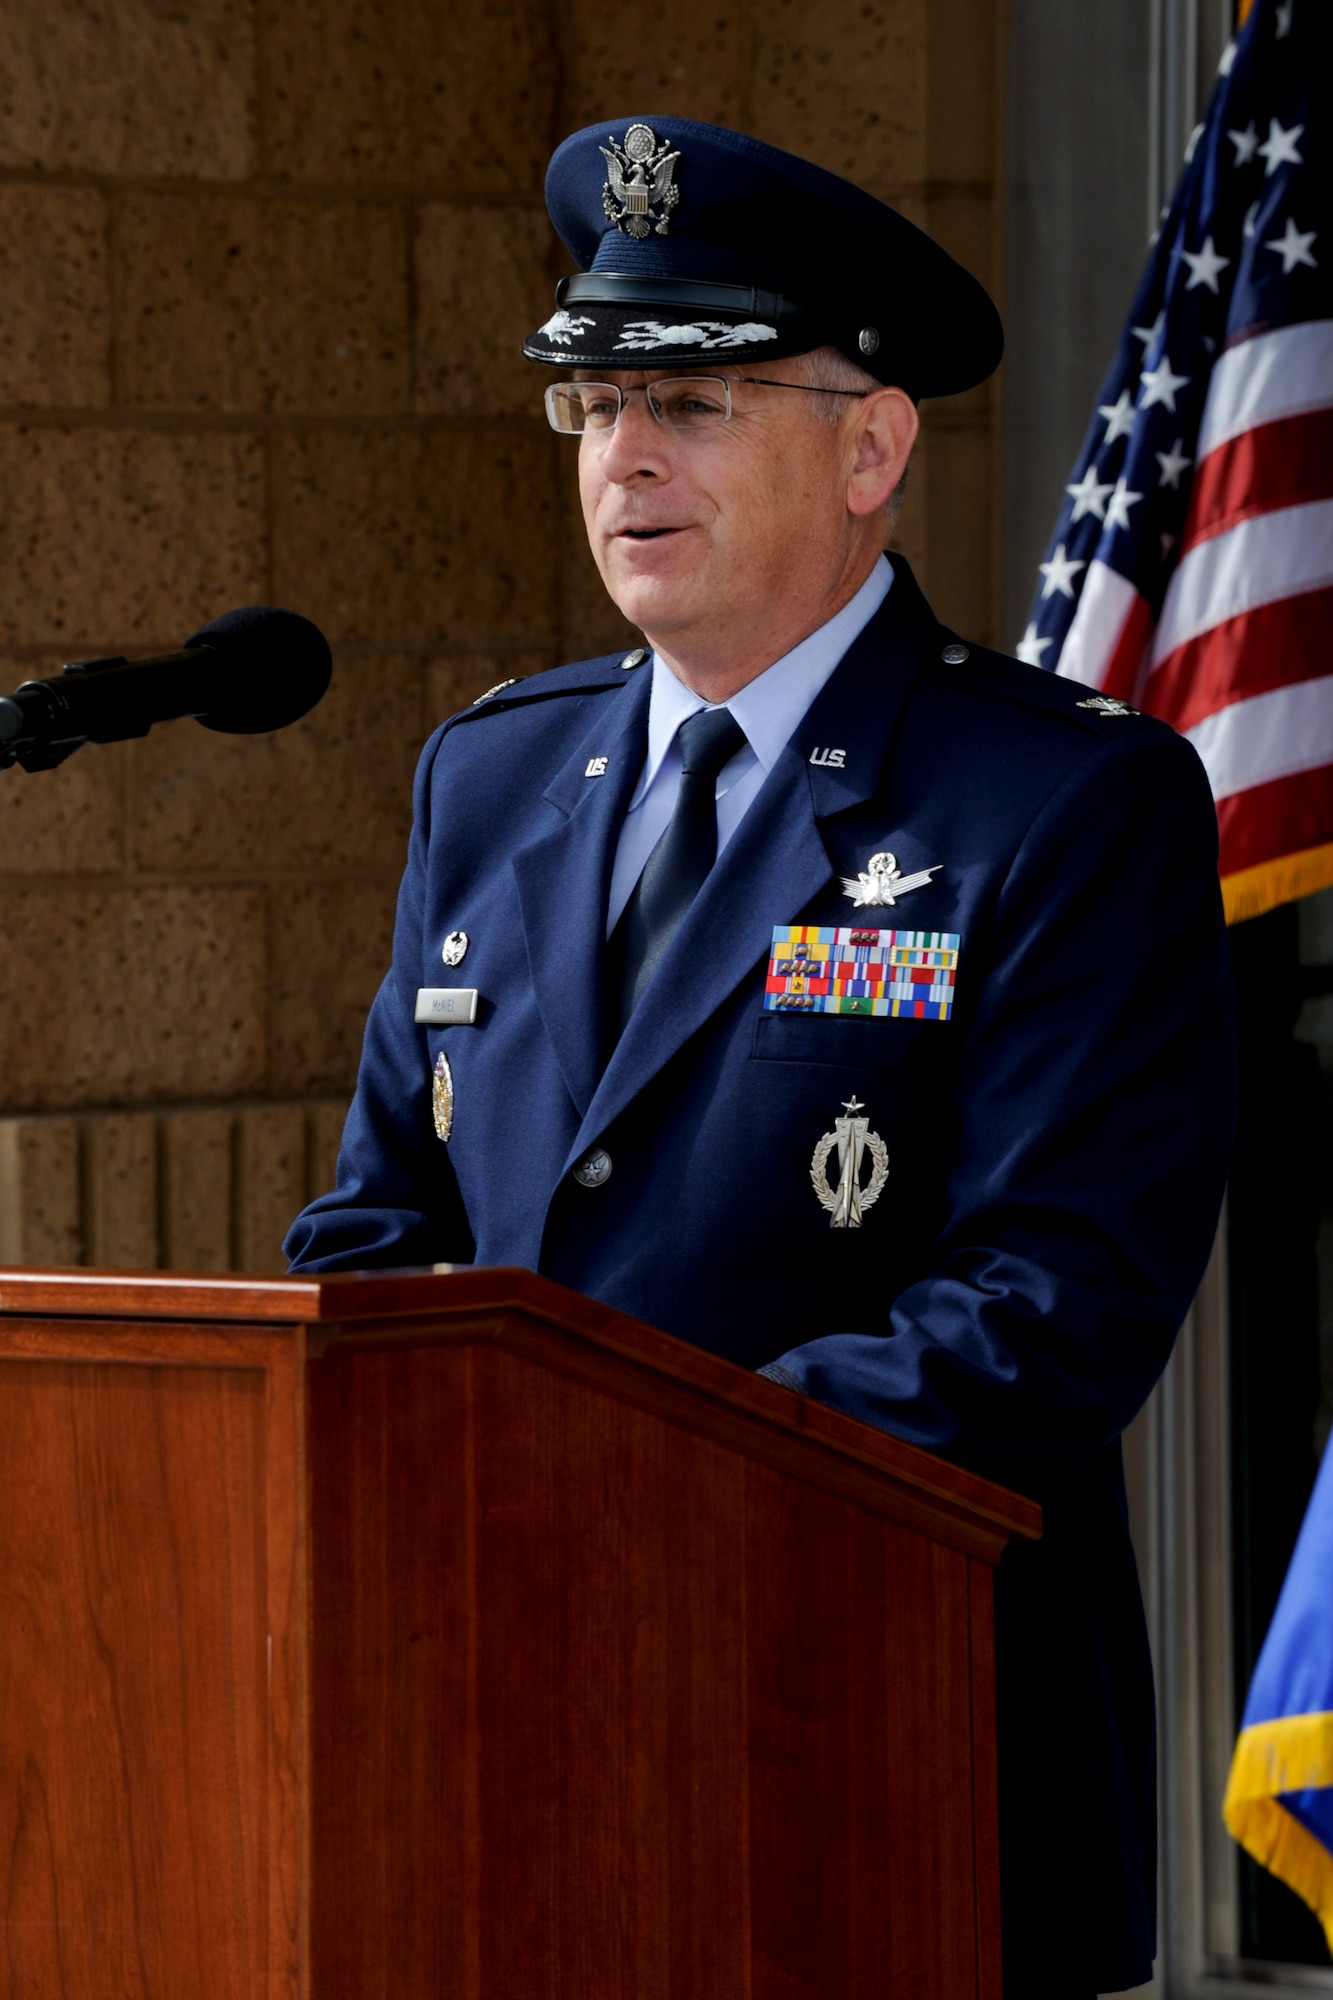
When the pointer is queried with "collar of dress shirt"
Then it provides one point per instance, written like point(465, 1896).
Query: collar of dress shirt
point(770, 706)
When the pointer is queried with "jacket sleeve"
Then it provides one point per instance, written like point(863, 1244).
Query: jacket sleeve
point(1093, 1135)
point(396, 1200)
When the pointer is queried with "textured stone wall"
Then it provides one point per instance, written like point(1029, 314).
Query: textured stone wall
point(264, 270)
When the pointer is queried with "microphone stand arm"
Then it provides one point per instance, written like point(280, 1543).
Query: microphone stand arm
point(97, 701)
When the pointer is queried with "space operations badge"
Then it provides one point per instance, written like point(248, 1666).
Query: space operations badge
point(819, 969)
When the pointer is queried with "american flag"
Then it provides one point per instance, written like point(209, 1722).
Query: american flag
point(1191, 569)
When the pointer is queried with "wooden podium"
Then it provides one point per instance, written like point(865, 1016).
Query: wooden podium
point(452, 1637)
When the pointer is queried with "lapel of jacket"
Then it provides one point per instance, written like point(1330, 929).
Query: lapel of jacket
point(564, 880)
point(776, 861)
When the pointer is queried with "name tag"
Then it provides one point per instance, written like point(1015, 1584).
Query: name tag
point(447, 1006)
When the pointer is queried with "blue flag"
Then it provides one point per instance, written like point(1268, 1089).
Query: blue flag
point(1279, 1802)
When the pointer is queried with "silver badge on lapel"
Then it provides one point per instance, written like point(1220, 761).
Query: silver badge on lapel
point(854, 1139)
point(881, 882)
point(442, 1097)
point(455, 947)
point(640, 193)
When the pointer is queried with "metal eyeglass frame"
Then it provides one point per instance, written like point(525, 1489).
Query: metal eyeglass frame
point(646, 389)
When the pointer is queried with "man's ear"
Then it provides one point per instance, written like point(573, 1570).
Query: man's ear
point(883, 432)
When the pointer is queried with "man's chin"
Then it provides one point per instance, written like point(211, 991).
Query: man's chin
point(653, 603)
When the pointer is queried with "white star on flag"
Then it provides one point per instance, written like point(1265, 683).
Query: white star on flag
point(1119, 415)
point(1059, 573)
point(1293, 247)
point(1220, 390)
point(1204, 266)
point(1173, 463)
point(1160, 385)
point(1148, 334)
point(1119, 504)
point(1089, 495)
point(1030, 648)
point(1245, 143)
point(1279, 148)
point(1192, 142)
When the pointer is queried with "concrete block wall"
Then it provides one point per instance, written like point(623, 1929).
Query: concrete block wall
point(193, 1188)
point(264, 270)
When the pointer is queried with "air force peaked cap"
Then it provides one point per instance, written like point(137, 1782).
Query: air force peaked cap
point(700, 244)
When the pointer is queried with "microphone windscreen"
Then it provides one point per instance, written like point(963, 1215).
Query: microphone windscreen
point(277, 666)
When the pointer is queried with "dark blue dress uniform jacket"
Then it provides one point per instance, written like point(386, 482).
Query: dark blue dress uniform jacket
point(1057, 1148)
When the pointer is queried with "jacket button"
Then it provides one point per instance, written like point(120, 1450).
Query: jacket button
point(594, 1169)
point(954, 655)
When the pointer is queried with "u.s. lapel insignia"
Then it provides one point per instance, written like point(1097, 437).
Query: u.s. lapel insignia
point(454, 949)
point(640, 192)
point(881, 882)
point(442, 1097)
point(847, 1202)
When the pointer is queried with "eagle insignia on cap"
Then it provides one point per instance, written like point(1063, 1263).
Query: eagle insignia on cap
point(640, 192)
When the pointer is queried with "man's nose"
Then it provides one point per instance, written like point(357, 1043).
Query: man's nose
point(637, 444)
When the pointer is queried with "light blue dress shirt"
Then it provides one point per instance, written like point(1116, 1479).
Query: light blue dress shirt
point(768, 709)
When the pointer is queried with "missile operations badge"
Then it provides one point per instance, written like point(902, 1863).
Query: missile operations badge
point(847, 1201)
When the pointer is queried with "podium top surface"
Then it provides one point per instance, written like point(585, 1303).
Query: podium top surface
point(363, 1309)
point(251, 1297)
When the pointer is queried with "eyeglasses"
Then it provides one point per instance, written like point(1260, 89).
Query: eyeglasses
point(681, 402)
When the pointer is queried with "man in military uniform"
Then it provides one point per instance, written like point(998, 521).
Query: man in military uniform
point(834, 993)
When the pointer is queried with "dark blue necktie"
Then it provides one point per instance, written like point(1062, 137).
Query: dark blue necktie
point(675, 870)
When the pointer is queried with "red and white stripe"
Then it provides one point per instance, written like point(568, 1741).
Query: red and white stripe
point(1240, 660)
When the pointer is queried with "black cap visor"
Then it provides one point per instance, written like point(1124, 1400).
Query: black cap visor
point(608, 320)
point(611, 320)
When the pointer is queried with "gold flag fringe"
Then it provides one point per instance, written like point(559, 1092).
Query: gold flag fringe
point(1294, 1753)
point(1252, 891)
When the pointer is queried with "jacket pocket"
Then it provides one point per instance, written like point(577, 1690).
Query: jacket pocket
point(879, 1042)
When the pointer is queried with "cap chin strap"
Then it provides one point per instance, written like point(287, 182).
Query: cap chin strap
point(617, 288)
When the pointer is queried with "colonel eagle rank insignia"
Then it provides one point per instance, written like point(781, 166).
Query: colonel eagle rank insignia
point(1107, 704)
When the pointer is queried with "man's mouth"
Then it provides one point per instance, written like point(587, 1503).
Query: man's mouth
point(645, 534)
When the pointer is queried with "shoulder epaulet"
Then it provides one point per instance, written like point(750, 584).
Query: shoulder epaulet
point(599, 676)
point(1008, 679)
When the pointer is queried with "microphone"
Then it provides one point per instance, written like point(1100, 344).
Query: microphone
point(249, 671)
